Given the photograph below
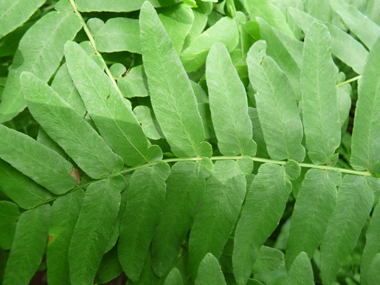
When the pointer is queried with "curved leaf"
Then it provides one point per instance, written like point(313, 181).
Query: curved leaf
point(209, 272)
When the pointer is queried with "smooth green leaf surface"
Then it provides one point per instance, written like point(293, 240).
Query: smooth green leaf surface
point(13, 13)
point(276, 106)
point(373, 271)
point(320, 111)
point(35, 160)
point(145, 201)
point(354, 203)
point(185, 188)
point(199, 23)
point(174, 277)
point(147, 276)
point(301, 272)
point(264, 204)
point(209, 272)
point(373, 10)
point(268, 259)
point(224, 31)
point(93, 229)
point(21, 189)
point(109, 267)
point(63, 217)
point(28, 246)
point(314, 206)
point(134, 83)
point(148, 123)
point(109, 111)
point(366, 133)
point(366, 30)
point(172, 97)
point(40, 52)
point(9, 213)
point(228, 104)
point(76, 136)
point(372, 247)
point(319, 9)
point(218, 211)
point(119, 5)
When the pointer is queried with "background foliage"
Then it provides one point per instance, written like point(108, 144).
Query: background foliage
point(190, 142)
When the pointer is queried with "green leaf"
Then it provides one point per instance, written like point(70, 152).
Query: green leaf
point(185, 188)
point(9, 213)
point(224, 31)
point(366, 30)
point(15, 13)
point(28, 246)
point(354, 203)
point(119, 5)
point(269, 12)
point(64, 86)
point(373, 10)
point(117, 34)
point(268, 259)
point(94, 228)
point(209, 272)
point(110, 112)
point(174, 277)
point(147, 276)
point(276, 106)
point(278, 48)
point(373, 271)
point(177, 20)
point(301, 272)
point(344, 102)
point(365, 136)
point(75, 135)
point(148, 122)
point(218, 211)
point(63, 217)
point(109, 267)
point(134, 83)
point(145, 201)
point(320, 111)
point(264, 204)
point(199, 23)
point(228, 104)
point(172, 97)
point(319, 10)
point(21, 189)
point(315, 204)
point(372, 247)
point(40, 51)
point(343, 46)
point(35, 160)
point(293, 169)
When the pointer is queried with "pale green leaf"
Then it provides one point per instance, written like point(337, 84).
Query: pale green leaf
point(174, 277)
point(366, 30)
point(75, 135)
point(14, 13)
point(93, 229)
point(63, 217)
point(177, 20)
point(44, 139)
point(209, 272)
point(145, 201)
point(40, 52)
point(21, 189)
point(366, 133)
point(108, 109)
point(185, 188)
point(318, 9)
point(320, 112)
point(28, 246)
point(35, 160)
point(9, 213)
point(228, 104)
point(372, 247)
point(257, 133)
point(293, 169)
point(224, 31)
point(269, 12)
point(268, 259)
point(199, 23)
point(109, 267)
point(276, 106)
point(373, 10)
point(343, 46)
point(117, 34)
point(119, 5)
point(301, 272)
point(117, 70)
point(134, 83)
point(287, 59)
point(172, 96)
point(218, 211)
point(344, 102)
point(148, 122)
point(314, 206)
point(354, 203)
point(265, 204)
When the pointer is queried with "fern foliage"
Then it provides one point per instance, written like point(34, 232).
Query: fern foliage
point(190, 142)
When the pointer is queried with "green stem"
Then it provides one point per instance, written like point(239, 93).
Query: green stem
point(349, 81)
point(92, 41)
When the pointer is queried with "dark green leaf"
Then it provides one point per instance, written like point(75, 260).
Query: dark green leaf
point(268, 259)
point(9, 214)
point(209, 272)
point(174, 277)
point(109, 267)
point(301, 272)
